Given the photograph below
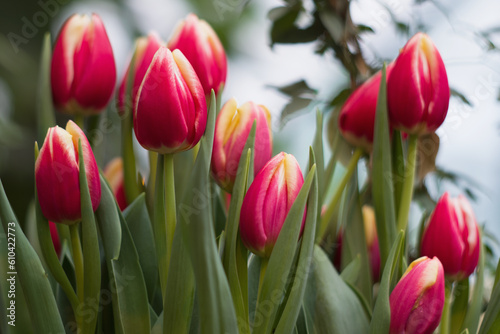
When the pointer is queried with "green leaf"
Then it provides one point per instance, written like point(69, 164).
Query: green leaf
point(381, 319)
point(297, 89)
point(398, 167)
point(491, 318)
point(455, 93)
point(301, 274)
point(140, 227)
point(320, 160)
point(383, 194)
point(301, 96)
point(330, 305)
point(460, 305)
point(253, 284)
point(45, 108)
point(38, 294)
point(341, 97)
point(281, 260)
point(350, 273)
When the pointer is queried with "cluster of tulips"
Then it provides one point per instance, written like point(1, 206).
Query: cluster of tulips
point(169, 98)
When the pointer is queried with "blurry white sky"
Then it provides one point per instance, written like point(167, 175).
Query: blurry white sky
point(470, 137)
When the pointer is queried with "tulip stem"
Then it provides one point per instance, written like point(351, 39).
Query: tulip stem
point(171, 220)
point(131, 185)
point(407, 193)
point(159, 227)
point(327, 216)
point(263, 267)
point(78, 261)
point(444, 327)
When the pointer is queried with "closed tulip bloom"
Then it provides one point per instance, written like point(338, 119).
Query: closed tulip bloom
point(201, 46)
point(452, 235)
point(231, 132)
point(418, 93)
point(57, 174)
point(267, 203)
point(145, 49)
point(417, 301)
point(83, 73)
point(171, 112)
point(357, 116)
point(113, 172)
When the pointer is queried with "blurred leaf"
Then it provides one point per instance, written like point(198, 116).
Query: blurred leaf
point(350, 273)
point(364, 28)
point(330, 305)
point(45, 112)
point(398, 167)
point(296, 89)
point(455, 93)
point(460, 304)
point(290, 111)
point(491, 318)
point(341, 97)
point(284, 29)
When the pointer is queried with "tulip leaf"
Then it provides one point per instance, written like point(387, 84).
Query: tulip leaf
point(398, 167)
point(139, 225)
point(381, 319)
point(293, 305)
point(65, 310)
point(330, 305)
point(350, 272)
point(28, 270)
point(491, 318)
point(320, 161)
point(215, 305)
point(45, 108)
point(281, 260)
point(471, 320)
point(459, 306)
point(253, 284)
point(383, 194)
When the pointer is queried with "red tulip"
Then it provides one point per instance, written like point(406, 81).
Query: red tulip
point(145, 49)
point(83, 73)
point(417, 300)
point(231, 132)
point(417, 90)
point(201, 46)
point(171, 112)
point(113, 172)
point(267, 203)
point(357, 116)
point(57, 174)
point(453, 236)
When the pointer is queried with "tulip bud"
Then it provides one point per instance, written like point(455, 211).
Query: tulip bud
point(83, 73)
point(417, 90)
point(231, 132)
point(145, 49)
point(113, 172)
point(54, 235)
point(267, 203)
point(171, 112)
point(417, 300)
point(57, 174)
point(357, 116)
point(201, 46)
point(453, 236)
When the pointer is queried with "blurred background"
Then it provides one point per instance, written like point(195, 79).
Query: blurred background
point(292, 56)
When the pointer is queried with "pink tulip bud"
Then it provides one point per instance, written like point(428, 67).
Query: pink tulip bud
point(54, 235)
point(267, 203)
point(357, 116)
point(57, 174)
point(113, 172)
point(231, 132)
point(453, 236)
point(201, 46)
point(83, 70)
point(145, 49)
point(417, 300)
point(417, 90)
point(171, 112)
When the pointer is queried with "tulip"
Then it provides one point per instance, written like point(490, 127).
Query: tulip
point(267, 203)
point(417, 300)
point(113, 172)
point(57, 174)
point(171, 112)
point(145, 49)
point(83, 73)
point(357, 116)
point(231, 132)
point(55, 238)
point(417, 90)
point(452, 235)
point(201, 46)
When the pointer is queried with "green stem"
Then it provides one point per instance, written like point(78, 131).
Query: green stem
point(132, 189)
point(327, 216)
point(263, 267)
point(407, 193)
point(78, 261)
point(150, 186)
point(79, 119)
point(444, 327)
point(170, 203)
point(159, 226)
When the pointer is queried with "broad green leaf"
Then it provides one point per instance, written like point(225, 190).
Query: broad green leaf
point(63, 304)
point(140, 228)
point(381, 319)
point(382, 186)
point(460, 305)
point(29, 272)
point(281, 260)
point(45, 108)
point(330, 305)
point(351, 271)
point(491, 318)
point(297, 289)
